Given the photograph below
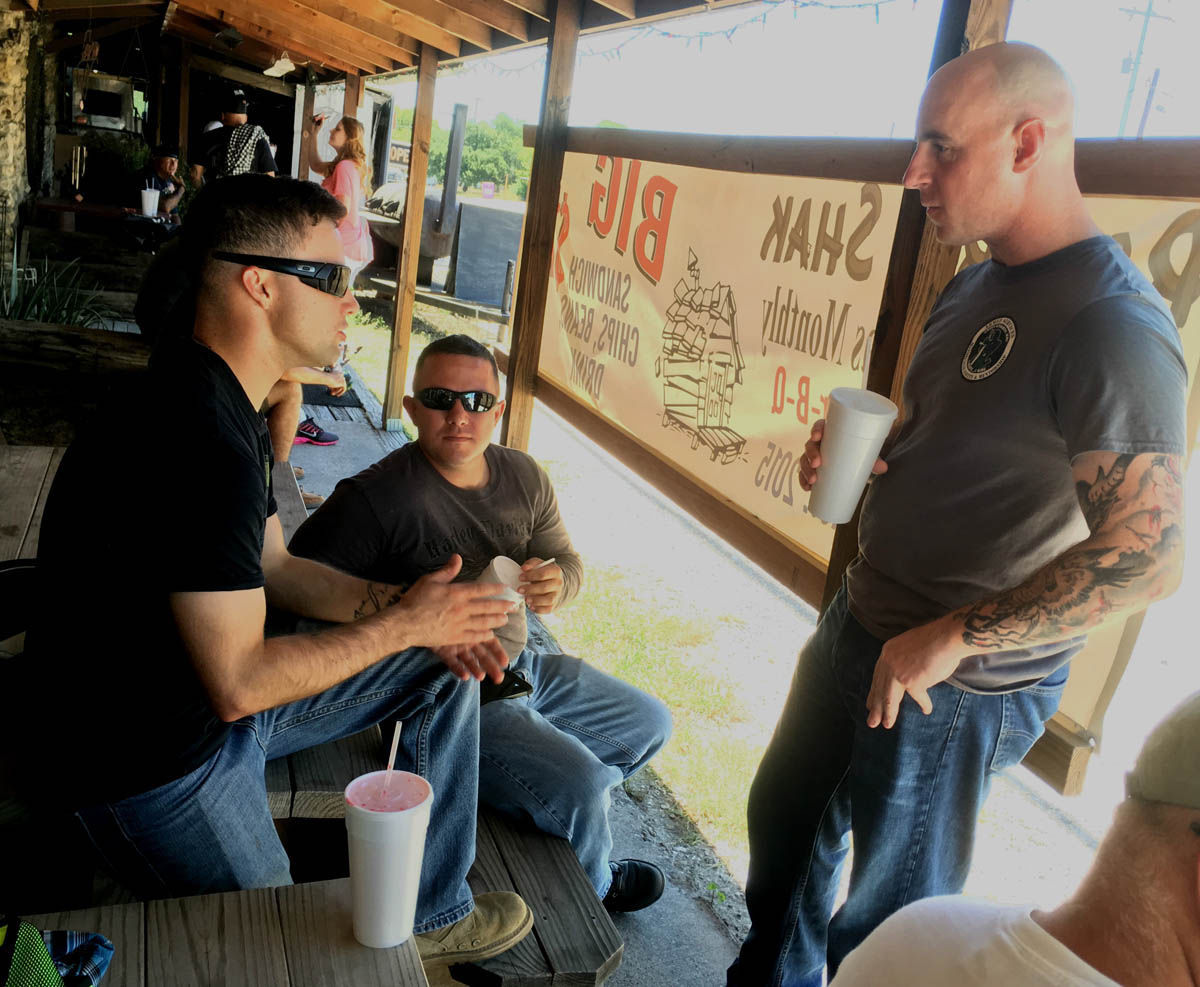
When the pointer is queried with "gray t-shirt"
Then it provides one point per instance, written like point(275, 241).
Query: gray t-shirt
point(1020, 370)
point(400, 518)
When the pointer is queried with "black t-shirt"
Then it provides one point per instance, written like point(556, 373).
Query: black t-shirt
point(166, 492)
point(215, 144)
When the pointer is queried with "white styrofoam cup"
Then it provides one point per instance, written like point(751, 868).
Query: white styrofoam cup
point(856, 424)
point(386, 850)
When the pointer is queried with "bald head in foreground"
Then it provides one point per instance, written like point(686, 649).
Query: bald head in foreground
point(1135, 919)
point(1041, 446)
point(995, 158)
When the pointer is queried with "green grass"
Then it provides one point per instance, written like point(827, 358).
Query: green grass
point(707, 765)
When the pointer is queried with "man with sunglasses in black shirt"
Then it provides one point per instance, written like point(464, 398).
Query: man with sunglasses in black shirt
point(167, 698)
point(565, 735)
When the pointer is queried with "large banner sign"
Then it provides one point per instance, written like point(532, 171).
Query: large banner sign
point(710, 314)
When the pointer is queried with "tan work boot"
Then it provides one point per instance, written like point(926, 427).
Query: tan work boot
point(501, 919)
point(311, 500)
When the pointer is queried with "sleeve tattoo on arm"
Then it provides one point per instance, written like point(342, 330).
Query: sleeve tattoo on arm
point(1134, 510)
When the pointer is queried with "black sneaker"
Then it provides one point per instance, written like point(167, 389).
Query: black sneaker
point(309, 431)
point(636, 884)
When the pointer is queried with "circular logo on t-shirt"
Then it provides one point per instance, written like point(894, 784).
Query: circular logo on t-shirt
point(989, 348)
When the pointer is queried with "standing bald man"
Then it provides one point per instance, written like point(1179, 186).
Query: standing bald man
point(1032, 490)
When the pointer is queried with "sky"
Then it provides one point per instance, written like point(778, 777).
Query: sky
point(842, 68)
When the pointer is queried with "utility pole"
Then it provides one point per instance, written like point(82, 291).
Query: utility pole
point(1149, 104)
point(1146, 16)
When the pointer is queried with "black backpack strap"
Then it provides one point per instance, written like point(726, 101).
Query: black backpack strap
point(9, 949)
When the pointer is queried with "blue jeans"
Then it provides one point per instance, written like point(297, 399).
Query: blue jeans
point(211, 830)
point(910, 795)
point(553, 756)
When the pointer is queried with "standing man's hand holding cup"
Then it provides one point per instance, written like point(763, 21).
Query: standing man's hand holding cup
point(842, 452)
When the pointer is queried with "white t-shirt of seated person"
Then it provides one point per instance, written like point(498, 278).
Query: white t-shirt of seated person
point(951, 941)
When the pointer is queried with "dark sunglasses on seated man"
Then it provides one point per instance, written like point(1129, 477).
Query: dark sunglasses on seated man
point(333, 279)
point(442, 399)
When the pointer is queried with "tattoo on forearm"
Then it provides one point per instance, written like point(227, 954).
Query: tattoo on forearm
point(1118, 567)
point(1099, 498)
point(379, 596)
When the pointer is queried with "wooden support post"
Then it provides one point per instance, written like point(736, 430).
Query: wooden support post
point(541, 216)
point(353, 95)
point(307, 133)
point(410, 251)
point(920, 266)
point(185, 93)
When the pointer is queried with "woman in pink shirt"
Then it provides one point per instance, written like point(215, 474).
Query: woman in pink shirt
point(347, 177)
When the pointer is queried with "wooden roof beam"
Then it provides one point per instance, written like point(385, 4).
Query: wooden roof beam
point(539, 8)
point(446, 19)
point(82, 37)
point(373, 19)
point(497, 14)
point(99, 12)
point(82, 6)
point(279, 33)
point(411, 30)
point(626, 8)
point(310, 17)
point(272, 37)
point(249, 52)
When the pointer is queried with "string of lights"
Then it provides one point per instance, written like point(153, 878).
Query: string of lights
point(612, 52)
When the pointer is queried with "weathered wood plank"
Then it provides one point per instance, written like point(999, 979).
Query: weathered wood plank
point(541, 218)
point(856, 158)
point(408, 259)
point(122, 925)
point(320, 943)
point(526, 962)
point(232, 939)
point(577, 934)
point(321, 773)
point(29, 545)
point(22, 476)
point(292, 512)
point(278, 777)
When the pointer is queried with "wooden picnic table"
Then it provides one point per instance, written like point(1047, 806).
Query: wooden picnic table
point(295, 936)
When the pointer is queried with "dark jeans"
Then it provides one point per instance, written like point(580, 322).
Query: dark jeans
point(910, 795)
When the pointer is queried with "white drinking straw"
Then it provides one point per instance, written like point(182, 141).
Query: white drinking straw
point(387, 778)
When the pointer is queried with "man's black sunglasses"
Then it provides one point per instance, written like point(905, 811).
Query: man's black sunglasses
point(333, 279)
point(442, 399)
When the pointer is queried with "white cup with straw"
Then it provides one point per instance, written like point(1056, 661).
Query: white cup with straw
point(387, 814)
point(856, 424)
point(149, 201)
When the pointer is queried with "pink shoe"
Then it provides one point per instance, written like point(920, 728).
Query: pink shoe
point(309, 431)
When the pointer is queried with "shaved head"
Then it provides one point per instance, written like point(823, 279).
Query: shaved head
point(995, 157)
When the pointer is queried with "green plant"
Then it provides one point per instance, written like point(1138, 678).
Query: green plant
point(57, 295)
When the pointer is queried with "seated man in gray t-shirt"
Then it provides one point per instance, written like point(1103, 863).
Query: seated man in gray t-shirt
point(550, 755)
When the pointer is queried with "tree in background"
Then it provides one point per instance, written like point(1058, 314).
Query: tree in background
point(492, 152)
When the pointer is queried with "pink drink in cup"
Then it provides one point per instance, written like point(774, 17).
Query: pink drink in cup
point(386, 836)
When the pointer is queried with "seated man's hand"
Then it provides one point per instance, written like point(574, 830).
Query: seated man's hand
point(440, 612)
point(475, 660)
point(542, 585)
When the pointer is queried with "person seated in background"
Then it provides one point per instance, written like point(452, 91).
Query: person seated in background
point(552, 755)
point(160, 173)
point(1135, 919)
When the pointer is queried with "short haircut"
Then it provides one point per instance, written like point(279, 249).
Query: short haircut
point(255, 214)
point(457, 344)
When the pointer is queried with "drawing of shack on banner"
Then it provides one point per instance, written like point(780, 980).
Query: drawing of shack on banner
point(700, 363)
